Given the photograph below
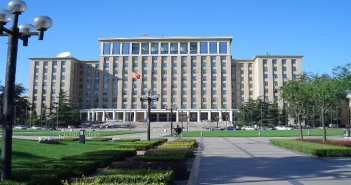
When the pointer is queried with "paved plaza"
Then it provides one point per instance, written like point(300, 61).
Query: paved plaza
point(254, 161)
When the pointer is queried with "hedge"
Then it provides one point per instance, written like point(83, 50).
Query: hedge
point(129, 152)
point(161, 158)
point(137, 146)
point(100, 139)
point(172, 145)
point(314, 149)
point(12, 183)
point(189, 152)
point(166, 153)
point(135, 176)
point(100, 160)
point(126, 140)
point(34, 176)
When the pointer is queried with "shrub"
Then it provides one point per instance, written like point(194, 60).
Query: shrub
point(116, 154)
point(34, 176)
point(170, 145)
point(137, 146)
point(179, 169)
point(151, 142)
point(126, 140)
point(135, 176)
point(130, 152)
point(187, 141)
point(315, 149)
point(12, 183)
point(161, 158)
point(329, 142)
point(100, 139)
point(189, 152)
point(165, 153)
point(100, 160)
point(69, 139)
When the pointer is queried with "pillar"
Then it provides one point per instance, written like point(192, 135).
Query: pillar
point(135, 116)
point(145, 115)
point(231, 116)
point(198, 116)
point(209, 115)
point(157, 117)
point(124, 116)
point(220, 116)
point(188, 116)
point(93, 115)
point(114, 115)
point(177, 116)
point(167, 117)
point(103, 116)
point(89, 116)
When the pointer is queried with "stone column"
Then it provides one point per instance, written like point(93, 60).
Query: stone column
point(198, 116)
point(103, 116)
point(188, 116)
point(231, 116)
point(220, 116)
point(177, 116)
point(89, 116)
point(145, 115)
point(124, 116)
point(157, 117)
point(135, 116)
point(93, 115)
point(113, 115)
point(209, 115)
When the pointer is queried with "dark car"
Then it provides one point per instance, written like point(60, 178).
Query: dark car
point(231, 128)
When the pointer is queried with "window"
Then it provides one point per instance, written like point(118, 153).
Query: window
point(285, 76)
point(293, 61)
point(154, 48)
point(46, 70)
point(274, 61)
point(116, 48)
point(283, 61)
point(223, 48)
point(274, 68)
point(264, 61)
point(183, 48)
point(107, 48)
point(213, 47)
point(125, 48)
point(284, 68)
point(203, 48)
point(193, 48)
point(265, 69)
point(174, 48)
point(164, 48)
point(135, 48)
point(145, 48)
point(294, 68)
point(265, 75)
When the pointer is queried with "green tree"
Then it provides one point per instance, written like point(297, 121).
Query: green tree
point(21, 102)
point(297, 94)
point(66, 113)
point(325, 92)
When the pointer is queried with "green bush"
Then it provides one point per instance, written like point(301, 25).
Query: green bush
point(100, 139)
point(137, 146)
point(170, 145)
point(12, 183)
point(189, 152)
point(116, 154)
point(69, 139)
point(35, 176)
point(130, 152)
point(314, 149)
point(186, 140)
point(161, 158)
point(166, 153)
point(100, 160)
point(126, 140)
point(117, 176)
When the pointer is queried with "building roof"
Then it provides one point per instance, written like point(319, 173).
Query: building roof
point(144, 39)
point(53, 58)
point(277, 56)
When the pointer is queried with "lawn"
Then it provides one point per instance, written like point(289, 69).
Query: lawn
point(56, 133)
point(26, 151)
point(264, 133)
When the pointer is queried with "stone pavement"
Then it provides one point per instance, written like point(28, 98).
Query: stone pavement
point(254, 161)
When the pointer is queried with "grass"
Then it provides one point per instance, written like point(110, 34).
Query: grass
point(264, 133)
point(26, 151)
point(56, 133)
point(314, 149)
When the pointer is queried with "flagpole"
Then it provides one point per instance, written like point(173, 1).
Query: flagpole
point(130, 111)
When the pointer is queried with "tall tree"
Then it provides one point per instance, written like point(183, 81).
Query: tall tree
point(66, 113)
point(326, 91)
point(296, 93)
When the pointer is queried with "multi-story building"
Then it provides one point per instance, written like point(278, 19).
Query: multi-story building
point(197, 74)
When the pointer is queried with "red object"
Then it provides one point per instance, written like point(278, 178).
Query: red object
point(135, 76)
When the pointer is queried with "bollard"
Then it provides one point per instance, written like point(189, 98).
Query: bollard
point(308, 133)
point(259, 134)
point(81, 137)
point(201, 134)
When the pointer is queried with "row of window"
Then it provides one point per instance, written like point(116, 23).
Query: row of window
point(54, 63)
point(165, 48)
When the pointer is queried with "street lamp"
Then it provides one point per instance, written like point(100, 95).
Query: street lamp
point(23, 32)
point(348, 96)
point(148, 97)
point(172, 107)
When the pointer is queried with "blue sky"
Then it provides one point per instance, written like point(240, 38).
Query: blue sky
point(318, 29)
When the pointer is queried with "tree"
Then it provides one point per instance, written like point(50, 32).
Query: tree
point(326, 91)
point(21, 102)
point(65, 113)
point(296, 93)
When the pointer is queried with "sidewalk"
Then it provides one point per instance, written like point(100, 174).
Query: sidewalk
point(254, 161)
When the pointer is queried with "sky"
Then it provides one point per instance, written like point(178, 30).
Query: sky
point(320, 30)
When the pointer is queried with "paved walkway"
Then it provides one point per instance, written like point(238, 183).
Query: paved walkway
point(254, 161)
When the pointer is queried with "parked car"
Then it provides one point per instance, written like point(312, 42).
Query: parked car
point(214, 128)
point(35, 128)
point(21, 127)
point(289, 128)
point(284, 128)
point(248, 128)
point(206, 120)
point(267, 128)
point(231, 128)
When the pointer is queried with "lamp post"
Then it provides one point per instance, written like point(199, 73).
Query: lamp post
point(22, 32)
point(172, 107)
point(348, 96)
point(148, 97)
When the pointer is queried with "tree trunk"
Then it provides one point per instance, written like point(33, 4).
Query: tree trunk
point(300, 127)
point(323, 124)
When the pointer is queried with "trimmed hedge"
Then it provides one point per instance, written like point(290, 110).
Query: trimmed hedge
point(135, 176)
point(126, 140)
point(314, 149)
point(100, 160)
point(69, 139)
point(12, 183)
point(165, 153)
point(173, 145)
point(189, 152)
point(34, 176)
point(100, 139)
point(161, 158)
point(129, 152)
point(137, 146)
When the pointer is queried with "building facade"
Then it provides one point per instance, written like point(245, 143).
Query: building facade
point(197, 74)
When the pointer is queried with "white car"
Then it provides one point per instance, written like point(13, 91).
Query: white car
point(21, 127)
point(35, 128)
point(248, 128)
point(284, 128)
point(289, 128)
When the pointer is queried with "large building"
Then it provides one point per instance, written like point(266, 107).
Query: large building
point(197, 74)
